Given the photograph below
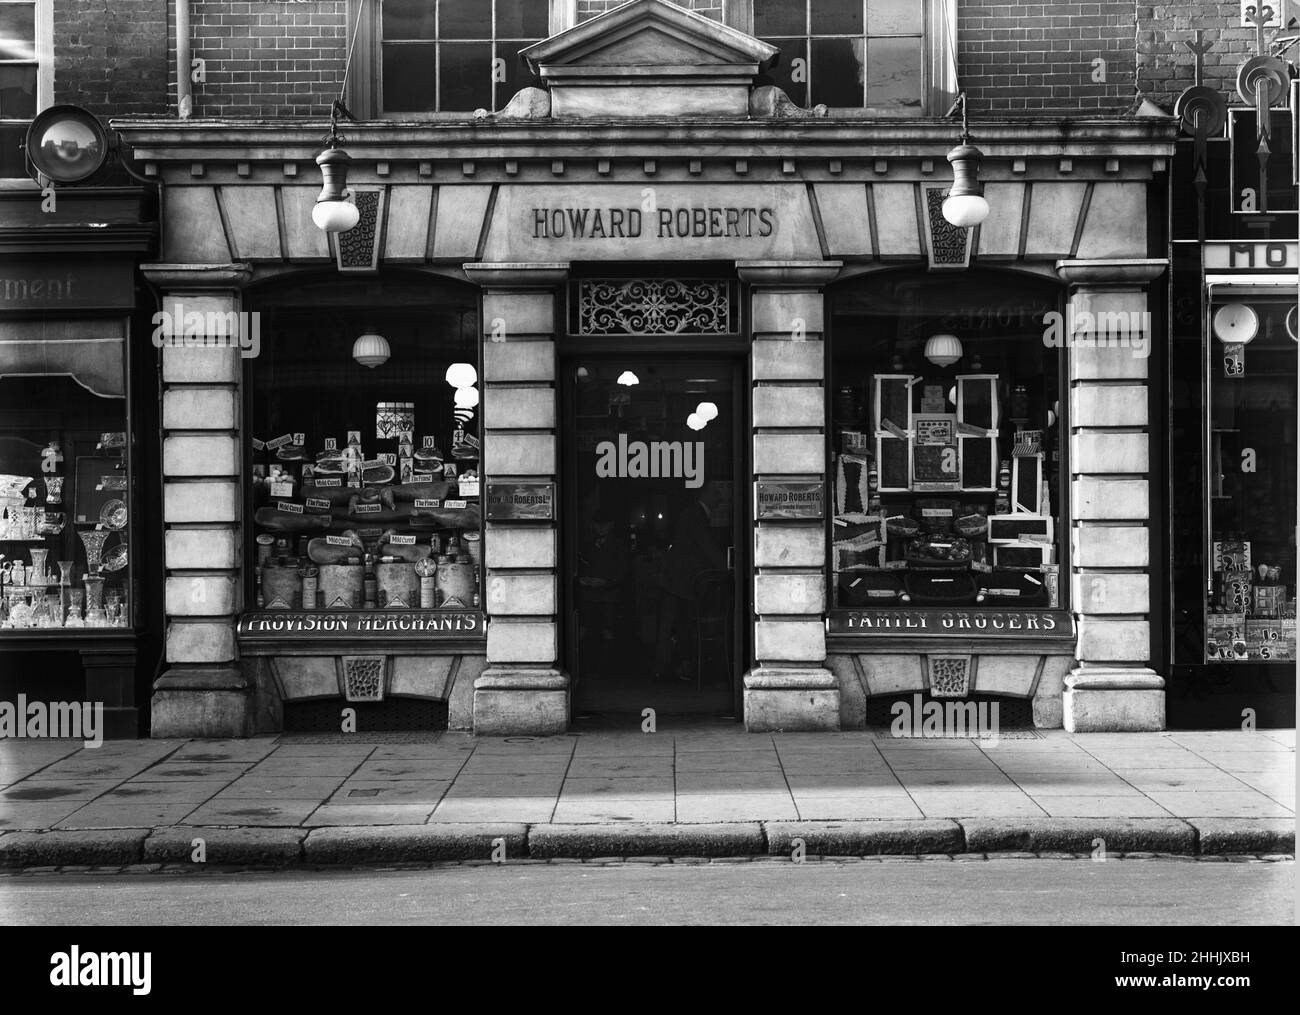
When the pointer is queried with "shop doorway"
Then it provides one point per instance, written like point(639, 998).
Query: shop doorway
point(653, 481)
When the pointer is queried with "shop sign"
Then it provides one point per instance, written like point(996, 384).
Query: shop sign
point(63, 285)
point(306, 627)
point(962, 623)
point(653, 221)
point(789, 500)
point(1252, 256)
point(520, 501)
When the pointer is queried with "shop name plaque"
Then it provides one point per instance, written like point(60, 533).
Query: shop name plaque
point(292, 626)
point(521, 501)
point(950, 622)
point(789, 500)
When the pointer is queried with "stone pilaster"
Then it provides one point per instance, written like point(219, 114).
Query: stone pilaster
point(1113, 687)
point(522, 691)
point(790, 687)
point(202, 692)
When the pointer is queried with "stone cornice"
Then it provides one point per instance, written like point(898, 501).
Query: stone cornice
point(155, 140)
point(186, 277)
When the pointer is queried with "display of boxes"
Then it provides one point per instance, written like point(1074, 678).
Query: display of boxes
point(1268, 600)
point(1234, 591)
point(1023, 554)
point(1021, 528)
point(977, 401)
point(1225, 636)
point(1027, 484)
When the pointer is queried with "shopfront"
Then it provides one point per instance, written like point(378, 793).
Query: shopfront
point(739, 424)
point(76, 528)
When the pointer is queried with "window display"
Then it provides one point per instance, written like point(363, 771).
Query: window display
point(65, 507)
point(365, 461)
point(1251, 491)
point(947, 488)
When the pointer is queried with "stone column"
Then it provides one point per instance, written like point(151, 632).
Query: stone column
point(522, 691)
point(1113, 687)
point(202, 692)
point(790, 687)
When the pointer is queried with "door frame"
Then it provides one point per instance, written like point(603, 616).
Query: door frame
point(730, 354)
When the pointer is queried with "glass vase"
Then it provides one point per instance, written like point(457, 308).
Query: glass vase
point(93, 541)
point(113, 607)
point(94, 595)
point(53, 489)
point(75, 598)
point(39, 576)
point(65, 573)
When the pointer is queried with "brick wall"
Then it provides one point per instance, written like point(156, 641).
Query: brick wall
point(1037, 58)
point(1167, 66)
point(264, 59)
point(110, 56)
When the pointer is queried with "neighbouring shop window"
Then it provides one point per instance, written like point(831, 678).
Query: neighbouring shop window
point(1251, 482)
point(364, 440)
point(863, 53)
point(66, 503)
point(946, 412)
point(455, 55)
point(25, 72)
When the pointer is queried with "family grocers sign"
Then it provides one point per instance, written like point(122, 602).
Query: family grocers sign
point(951, 622)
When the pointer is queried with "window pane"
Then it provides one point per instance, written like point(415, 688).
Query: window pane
point(522, 19)
point(779, 17)
point(711, 9)
point(409, 78)
point(17, 90)
point(464, 19)
point(837, 17)
point(465, 76)
point(408, 19)
point(792, 62)
point(894, 17)
point(894, 74)
point(837, 72)
point(517, 74)
point(17, 32)
point(11, 159)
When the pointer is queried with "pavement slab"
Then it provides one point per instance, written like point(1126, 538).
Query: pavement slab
point(107, 813)
point(254, 813)
point(370, 814)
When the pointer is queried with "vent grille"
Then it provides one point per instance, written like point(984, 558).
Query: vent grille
point(387, 716)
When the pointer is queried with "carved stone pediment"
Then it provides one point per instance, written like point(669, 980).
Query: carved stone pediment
point(649, 58)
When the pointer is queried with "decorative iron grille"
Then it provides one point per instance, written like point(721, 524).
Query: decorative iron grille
point(667, 306)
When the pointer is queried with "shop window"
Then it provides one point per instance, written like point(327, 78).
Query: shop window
point(887, 56)
point(26, 75)
point(66, 503)
point(453, 55)
point(585, 10)
point(1251, 483)
point(364, 444)
point(947, 479)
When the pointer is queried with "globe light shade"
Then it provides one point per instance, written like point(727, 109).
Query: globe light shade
point(1235, 324)
point(466, 398)
point(696, 422)
point(965, 206)
point(707, 411)
point(462, 375)
point(371, 350)
point(335, 216)
point(628, 379)
point(334, 213)
point(943, 350)
point(965, 212)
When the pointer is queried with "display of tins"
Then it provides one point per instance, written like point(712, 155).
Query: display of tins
point(114, 515)
point(397, 585)
point(281, 587)
point(310, 584)
point(265, 543)
point(341, 586)
point(455, 584)
point(473, 543)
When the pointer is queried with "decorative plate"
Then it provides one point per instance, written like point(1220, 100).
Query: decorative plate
point(113, 515)
point(115, 559)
